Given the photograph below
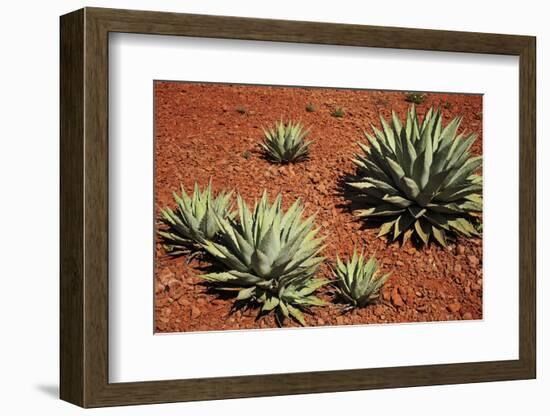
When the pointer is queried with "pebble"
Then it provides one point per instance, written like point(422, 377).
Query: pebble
point(396, 299)
point(166, 275)
point(467, 315)
point(195, 312)
point(474, 261)
point(183, 302)
point(454, 307)
point(460, 249)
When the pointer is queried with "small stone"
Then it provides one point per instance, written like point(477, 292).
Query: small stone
point(422, 308)
point(378, 311)
point(474, 261)
point(195, 312)
point(396, 299)
point(183, 302)
point(386, 295)
point(340, 320)
point(159, 287)
point(418, 294)
point(399, 263)
point(320, 321)
point(322, 189)
point(166, 275)
point(457, 268)
point(454, 307)
point(460, 249)
point(467, 316)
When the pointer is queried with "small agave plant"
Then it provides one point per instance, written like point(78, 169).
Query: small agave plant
point(271, 258)
point(419, 178)
point(358, 280)
point(194, 220)
point(286, 143)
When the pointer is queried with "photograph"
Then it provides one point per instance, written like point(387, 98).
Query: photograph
point(300, 206)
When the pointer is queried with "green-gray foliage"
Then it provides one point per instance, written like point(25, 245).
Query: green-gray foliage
point(194, 220)
point(415, 98)
point(338, 112)
point(271, 258)
point(358, 280)
point(419, 178)
point(285, 143)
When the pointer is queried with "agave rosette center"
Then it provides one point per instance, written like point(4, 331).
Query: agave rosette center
point(271, 257)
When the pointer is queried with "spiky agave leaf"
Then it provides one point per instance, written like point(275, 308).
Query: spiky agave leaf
point(286, 143)
point(271, 257)
point(194, 219)
point(358, 280)
point(419, 178)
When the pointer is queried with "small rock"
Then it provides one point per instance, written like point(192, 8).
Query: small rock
point(322, 189)
point(474, 261)
point(399, 263)
point(320, 321)
point(396, 299)
point(458, 268)
point(454, 307)
point(378, 311)
point(159, 287)
point(422, 308)
point(340, 320)
point(418, 294)
point(460, 249)
point(195, 312)
point(166, 275)
point(183, 302)
point(467, 316)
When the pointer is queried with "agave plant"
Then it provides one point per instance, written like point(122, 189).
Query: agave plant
point(358, 280)
point(194, 220)
point(271, 258)
point(285, 143)
point(419, 178)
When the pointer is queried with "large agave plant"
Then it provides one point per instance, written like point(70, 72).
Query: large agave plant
point(419, 178)
point(194, 220)
point(271, 257)
point(358, 280)
point(285, 143)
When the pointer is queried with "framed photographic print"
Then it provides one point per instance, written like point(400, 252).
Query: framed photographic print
point(255, 207)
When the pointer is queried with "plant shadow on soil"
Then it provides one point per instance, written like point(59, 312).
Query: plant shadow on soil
point(352, 203)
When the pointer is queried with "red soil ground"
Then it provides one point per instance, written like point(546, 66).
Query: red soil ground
point(200, 134)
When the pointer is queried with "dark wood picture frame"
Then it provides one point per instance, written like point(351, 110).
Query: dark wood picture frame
point(84, 207)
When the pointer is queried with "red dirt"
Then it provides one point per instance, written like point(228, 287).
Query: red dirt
point(201, 135)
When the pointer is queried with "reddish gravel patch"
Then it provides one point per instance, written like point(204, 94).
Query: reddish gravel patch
point(200, 134)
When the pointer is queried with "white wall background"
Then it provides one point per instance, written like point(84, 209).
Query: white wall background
point(29, 210)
